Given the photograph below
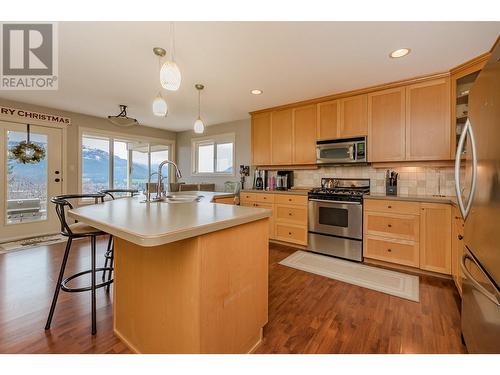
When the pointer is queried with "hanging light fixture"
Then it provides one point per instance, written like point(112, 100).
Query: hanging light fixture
point(199, 127)
point(160, 107)
point(170, 75)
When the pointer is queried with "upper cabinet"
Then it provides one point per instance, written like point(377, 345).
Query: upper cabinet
point(386, 125)
point(353, 116)
point(304, 135)
point(416, 120)
point(261, 139)
point(281, 137)
point(428, 120)
point(328, 120)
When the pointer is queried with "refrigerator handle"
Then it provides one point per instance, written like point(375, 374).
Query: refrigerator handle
point(465, 208)
point(475, 283)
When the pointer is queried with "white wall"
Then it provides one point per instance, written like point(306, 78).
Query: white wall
point(241, 130)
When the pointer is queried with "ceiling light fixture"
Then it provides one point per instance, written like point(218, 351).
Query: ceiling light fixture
point(159, 106)
point(122, 119)
point(199, 127)
point(399, 53)
point(170, 75)
point(256, 91)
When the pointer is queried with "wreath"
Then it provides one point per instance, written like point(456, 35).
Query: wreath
point(27, 153)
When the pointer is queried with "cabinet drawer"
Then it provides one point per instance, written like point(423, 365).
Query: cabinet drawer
point(394, 251)
point(264, 198)
point(405, 227)
point(263, 205)
point(247, 197)
point(226, 200)
point(291, 214)
point(291, 199)
point(291, 233)
point(400, 207)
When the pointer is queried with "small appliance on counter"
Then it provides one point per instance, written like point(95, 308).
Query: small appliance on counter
point(258, 182)
point(278, 180)
point(391, 183)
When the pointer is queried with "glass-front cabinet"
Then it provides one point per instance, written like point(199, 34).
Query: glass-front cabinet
point(462, 80)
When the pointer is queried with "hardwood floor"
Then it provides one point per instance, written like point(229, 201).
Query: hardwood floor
point(307, 313)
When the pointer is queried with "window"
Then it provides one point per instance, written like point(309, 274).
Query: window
point(118, 163)
point(213, 155)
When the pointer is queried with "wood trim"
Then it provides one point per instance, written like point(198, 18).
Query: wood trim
point(365, 90)
point(413, 163)
point(288, 167)
point(481, 59)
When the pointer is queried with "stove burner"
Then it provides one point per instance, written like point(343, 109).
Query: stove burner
point(341, 189)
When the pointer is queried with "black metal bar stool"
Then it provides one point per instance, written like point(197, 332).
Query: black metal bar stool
point(109, 255)
point(72, 231)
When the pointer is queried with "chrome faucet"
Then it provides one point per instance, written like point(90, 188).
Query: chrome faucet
point(178, 175)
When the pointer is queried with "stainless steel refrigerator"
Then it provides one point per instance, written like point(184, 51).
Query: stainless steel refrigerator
point(477, 179)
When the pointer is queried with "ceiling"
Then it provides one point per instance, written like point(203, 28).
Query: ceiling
point(103, 64)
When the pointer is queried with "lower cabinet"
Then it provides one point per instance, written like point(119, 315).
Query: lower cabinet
point(289, 219)
point(457, 247)
point(408, 233)
point(435, 237)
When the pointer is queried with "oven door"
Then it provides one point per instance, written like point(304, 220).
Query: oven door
point(344, 219)
point(336, 153)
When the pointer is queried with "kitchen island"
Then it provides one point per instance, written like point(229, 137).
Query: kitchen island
point(189, 277)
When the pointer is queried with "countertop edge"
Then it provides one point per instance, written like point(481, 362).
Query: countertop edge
point(151, 241)
point(424, 199)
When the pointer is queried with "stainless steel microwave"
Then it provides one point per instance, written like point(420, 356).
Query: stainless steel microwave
point(341, 151)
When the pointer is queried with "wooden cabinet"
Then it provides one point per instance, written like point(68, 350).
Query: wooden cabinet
point(304, 135)
point(289, 219)
point(435, 237)
point(386, 125)
point(428, 120)
point(328, 120)
point(391, 231)
point(353, 116)
point(261, 139)
point(408, 233)
point(224, 200)
point(281, 137)
point(457, 247)
point(405, 123)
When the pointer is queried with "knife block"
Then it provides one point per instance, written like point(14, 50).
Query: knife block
point(391, 189)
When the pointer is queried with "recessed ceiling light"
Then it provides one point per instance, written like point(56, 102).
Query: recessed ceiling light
point(399, 53)
point(256, 92)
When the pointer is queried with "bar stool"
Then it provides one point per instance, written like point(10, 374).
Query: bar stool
point(109, 255)
point(72, 231)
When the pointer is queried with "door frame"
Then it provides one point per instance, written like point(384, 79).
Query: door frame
point(64, 166)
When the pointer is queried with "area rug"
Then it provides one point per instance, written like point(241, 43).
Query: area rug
point(390, 282)
point(28, 243)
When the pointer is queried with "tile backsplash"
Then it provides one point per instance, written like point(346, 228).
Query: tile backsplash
point(411, 181)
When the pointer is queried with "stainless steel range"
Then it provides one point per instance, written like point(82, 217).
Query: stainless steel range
point(336, 217)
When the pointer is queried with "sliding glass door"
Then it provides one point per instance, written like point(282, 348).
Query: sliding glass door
point(109, 162)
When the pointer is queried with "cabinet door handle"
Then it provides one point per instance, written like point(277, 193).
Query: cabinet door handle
point(389, 206)
point(460, 237)
point(289, 233)
point(389, 250)
point(389, 225)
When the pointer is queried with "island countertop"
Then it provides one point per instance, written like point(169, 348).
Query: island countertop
point(158, 223)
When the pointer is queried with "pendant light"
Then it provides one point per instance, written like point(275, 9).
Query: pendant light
point(199, 127)
point(159, 106)
point(170, 75)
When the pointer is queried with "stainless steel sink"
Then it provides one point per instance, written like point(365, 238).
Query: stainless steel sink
point(181, 198)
